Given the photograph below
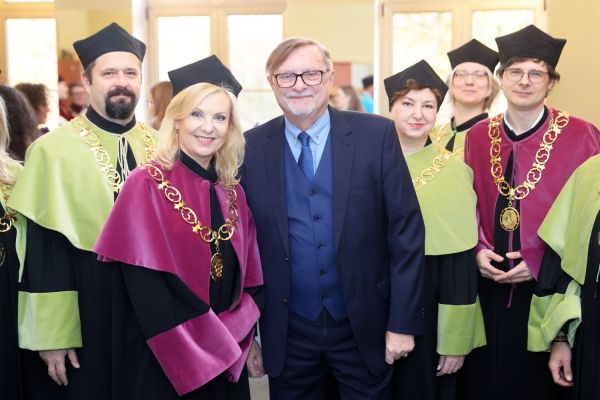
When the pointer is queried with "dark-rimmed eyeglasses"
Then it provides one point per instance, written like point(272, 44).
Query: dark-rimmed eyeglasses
point(310, 78)
point(516, 74)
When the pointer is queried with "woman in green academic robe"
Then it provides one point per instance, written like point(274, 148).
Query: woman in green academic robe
point(453, 321)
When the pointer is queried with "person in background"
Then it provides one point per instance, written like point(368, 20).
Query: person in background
point(212, 280)
point(37, 94)
point(472, 85)
point(346, 99)
point(72, 175)
point(80, 100)
point(340, 236)
point(453, 321)
point(520, 160)
point(161, 94)
point(366, 97)
point(63, 101)
point(12, 254)
point(22, 122)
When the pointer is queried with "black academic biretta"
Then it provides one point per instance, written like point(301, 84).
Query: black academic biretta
point(530, 42)
point(420, 72)
point(474, 51)
point(210, 70)
point(107, 40)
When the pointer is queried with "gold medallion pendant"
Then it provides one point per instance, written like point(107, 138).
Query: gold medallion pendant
point(509, 219)
point(216, 267)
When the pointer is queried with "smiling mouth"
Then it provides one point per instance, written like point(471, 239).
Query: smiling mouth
point(204, 139)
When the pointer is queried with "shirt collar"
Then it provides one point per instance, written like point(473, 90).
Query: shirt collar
point(316, 131)
point(535, 122)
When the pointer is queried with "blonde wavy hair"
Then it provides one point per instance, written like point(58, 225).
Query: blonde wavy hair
point(5, 160)
point(228, 158)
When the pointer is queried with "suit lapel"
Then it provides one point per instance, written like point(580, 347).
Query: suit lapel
point(273, 153)
point(343, 155)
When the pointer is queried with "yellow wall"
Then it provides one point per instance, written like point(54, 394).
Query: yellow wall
point(578, 21)
point(346, 28)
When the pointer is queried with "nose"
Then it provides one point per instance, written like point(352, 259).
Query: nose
point(525, 79)
point(299, 83)
point(418, 112)
point(470, 80)
point(207, 124)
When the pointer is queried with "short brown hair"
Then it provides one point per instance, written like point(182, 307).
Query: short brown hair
point(285, 48)
point(412, 84)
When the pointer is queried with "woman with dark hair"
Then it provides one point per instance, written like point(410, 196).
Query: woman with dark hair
point(453, 324)
point(37, 94)
point(22, 122)
point(12, 248)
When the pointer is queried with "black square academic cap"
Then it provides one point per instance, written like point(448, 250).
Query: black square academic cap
point(109, 39)
point(210, 70)
point(367, 81)
point(530, 42)
point(420, 72)
point(474, 51)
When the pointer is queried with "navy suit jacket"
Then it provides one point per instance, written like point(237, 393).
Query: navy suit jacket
point(378, 232)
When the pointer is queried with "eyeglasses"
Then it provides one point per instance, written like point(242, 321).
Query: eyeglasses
point(476, 75)
point(310, 78)
point(516, 74)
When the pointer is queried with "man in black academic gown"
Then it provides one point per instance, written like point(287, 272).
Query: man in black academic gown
point(68, 305)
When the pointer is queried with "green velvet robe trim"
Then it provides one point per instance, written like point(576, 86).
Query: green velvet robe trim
point(460, 329)
point(62, 187)
point(49, 321)
point(548, 314)
point(447, 201)
point(568, 225)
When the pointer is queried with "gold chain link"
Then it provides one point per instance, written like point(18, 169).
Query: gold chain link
point(206, 233)
point(10, 215)
point(101, 155)
point(542, 156)
point(438, 163)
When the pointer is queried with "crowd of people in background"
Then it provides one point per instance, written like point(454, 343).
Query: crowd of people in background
point(344, 254)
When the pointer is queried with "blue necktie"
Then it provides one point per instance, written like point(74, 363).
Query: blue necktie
point(305, 161)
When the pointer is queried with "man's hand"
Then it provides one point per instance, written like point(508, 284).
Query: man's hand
point(449, 364)
point(55, 360)
point(560, 364)
point(254, 363)
point(484, 261)
point(520, 273)
point(397, 345)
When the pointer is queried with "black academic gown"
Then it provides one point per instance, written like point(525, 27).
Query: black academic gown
point(506, 312)
point(100, 308)
point(10, 379)
point(448, 282)
point(145, 315)
point(586, 348)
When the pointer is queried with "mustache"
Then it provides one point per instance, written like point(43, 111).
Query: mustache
point(120, 91)
point(305, 92)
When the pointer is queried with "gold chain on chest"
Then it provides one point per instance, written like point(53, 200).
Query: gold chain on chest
point(206, 233)
point(510, 217)
point(438, 163)
point(10, 215)
point(113, 178)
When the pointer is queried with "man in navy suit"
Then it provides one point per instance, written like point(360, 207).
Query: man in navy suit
point(340, 236)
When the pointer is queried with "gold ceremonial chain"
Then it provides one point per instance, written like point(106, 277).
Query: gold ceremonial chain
point(113, 178)
point(10, 215)
point(206, 233)
point(438, 164)
point(509, 217)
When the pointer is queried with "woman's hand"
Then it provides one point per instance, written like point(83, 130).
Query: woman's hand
point(449, 365)
point(560, 364)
